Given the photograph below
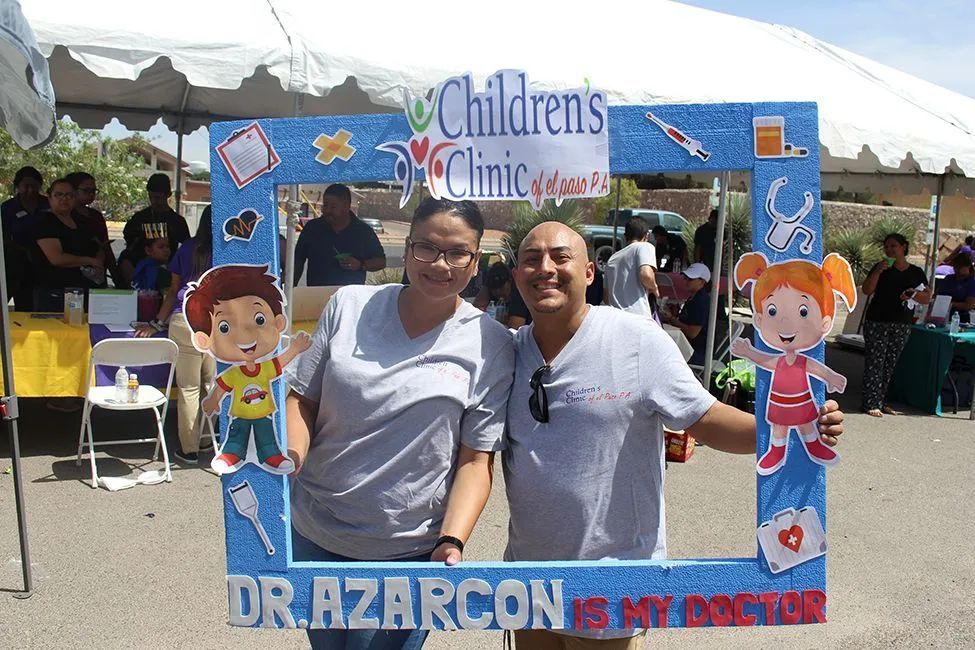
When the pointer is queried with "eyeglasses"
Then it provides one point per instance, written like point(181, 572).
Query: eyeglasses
point(88, 190)
point(538, 402)
point(458, 258)
point(62, 195)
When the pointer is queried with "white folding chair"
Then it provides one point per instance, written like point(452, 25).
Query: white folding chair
point(129, 353)
point(722, 349)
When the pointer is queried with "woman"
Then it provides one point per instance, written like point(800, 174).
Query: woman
point(86, 191)
point(960, 286)
point(68, 254)
point(888, 319)
point(194, 370)
point(395, 413)
point(19, 215)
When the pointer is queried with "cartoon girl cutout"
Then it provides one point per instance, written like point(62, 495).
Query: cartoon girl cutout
point(793, 306)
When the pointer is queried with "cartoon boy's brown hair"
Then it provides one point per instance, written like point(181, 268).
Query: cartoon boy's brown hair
point(227, 283)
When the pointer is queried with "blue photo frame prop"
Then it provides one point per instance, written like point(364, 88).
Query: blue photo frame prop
point(272, 590)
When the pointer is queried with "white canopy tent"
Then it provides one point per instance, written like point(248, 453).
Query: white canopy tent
point(191, 62)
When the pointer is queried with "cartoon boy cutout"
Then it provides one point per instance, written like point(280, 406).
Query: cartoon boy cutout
point(236, 315)
point(793, 306)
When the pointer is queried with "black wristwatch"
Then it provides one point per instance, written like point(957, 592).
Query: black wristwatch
point(447, 539)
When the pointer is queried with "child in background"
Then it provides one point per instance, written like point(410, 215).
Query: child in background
point(151, 273)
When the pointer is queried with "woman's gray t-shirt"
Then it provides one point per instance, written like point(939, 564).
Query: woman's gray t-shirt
point(393, 412)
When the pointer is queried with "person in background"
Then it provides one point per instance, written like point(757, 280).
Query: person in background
point(67, 255)
point(151, 273)
point(496, 288)
point(86, 191)
point(630, 278)
point(887, 322)
point(693, 317)
point(705, 238)
point(157, 220)
point(20, 215)
point(338, 247)
point(960, 286)
point(194, 370)
point(671, 250)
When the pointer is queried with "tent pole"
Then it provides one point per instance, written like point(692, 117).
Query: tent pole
point(616, 213)
point(179, 166)
point(291, 238)
point(730, 256)
point(9, 413)
point(716, 273)
point(936, 243)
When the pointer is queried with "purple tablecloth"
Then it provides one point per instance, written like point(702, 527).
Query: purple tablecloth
point(148, 375)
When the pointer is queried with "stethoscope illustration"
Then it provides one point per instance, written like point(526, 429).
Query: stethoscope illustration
point(784, 229)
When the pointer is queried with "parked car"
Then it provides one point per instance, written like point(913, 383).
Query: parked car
point(599, 238)
point(375, 224)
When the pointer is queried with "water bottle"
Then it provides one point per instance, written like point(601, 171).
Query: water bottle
point(133, 388)
point(955, 323)
point(492, 310)
point(122, 385)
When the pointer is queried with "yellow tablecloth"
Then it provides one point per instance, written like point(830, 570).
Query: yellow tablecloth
point(50, 358)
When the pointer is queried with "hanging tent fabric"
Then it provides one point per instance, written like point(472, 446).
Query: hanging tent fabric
point(27, 114)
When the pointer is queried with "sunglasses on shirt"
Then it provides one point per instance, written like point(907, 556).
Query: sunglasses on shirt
point(538, 401)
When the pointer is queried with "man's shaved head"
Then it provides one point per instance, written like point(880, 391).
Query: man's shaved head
point(553, 270)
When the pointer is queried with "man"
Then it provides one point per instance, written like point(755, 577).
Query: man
point(338, 247)
point(671, 250)
point(704, 240)
point(693, 317)
point(629, 278)
point(584, 462)
point(157, 220)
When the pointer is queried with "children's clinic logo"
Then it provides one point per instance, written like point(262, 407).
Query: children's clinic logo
point(508, 142)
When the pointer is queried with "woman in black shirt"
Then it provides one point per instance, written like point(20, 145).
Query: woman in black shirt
point(68, 255)
point(888, 320)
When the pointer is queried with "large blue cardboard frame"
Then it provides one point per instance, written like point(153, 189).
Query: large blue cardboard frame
point(636, 146)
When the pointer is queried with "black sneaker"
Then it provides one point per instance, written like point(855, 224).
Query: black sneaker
point(206, 445)
point(187, 458)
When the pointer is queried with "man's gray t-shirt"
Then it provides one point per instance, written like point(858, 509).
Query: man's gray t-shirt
point(588, 485)
point(623, 284)
point(393, 412)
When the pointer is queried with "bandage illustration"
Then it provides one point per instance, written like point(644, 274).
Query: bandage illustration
point(245, 501)
point(692, 146)
point(784, 229)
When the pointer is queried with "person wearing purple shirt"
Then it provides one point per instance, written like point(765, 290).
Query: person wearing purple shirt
point(20, 215)
point(960, 286)
point(194, 370)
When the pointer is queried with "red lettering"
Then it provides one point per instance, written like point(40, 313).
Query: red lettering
point(693, 603)
point(640, 611)
point(813, 606)
point(790, 608)
point(721, 611)
point(661, 605)
point(596, 609)
point(768, 599)
point(741, 618)
point(577, 609)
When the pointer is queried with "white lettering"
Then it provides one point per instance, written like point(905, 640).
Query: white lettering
point(397, 601)
point(543, 606)
point(369, 589)
point(236, 586)
point(466, 587)
point(326, 597)
point(435, 594)
point(511, 589)
point(276, 603)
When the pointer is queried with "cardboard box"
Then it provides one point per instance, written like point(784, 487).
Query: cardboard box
point(679, 446)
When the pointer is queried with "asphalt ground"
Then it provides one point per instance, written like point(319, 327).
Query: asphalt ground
point(145, 567)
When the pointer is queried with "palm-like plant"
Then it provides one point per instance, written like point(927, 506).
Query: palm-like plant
point(526, 218)
point(858, 246)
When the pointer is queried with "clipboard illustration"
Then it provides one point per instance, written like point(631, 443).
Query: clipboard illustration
point(247, 154)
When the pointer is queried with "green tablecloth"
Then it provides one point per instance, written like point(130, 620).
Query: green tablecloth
point(923, 366)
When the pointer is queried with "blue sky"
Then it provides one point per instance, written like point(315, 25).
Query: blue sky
point(933, 40)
